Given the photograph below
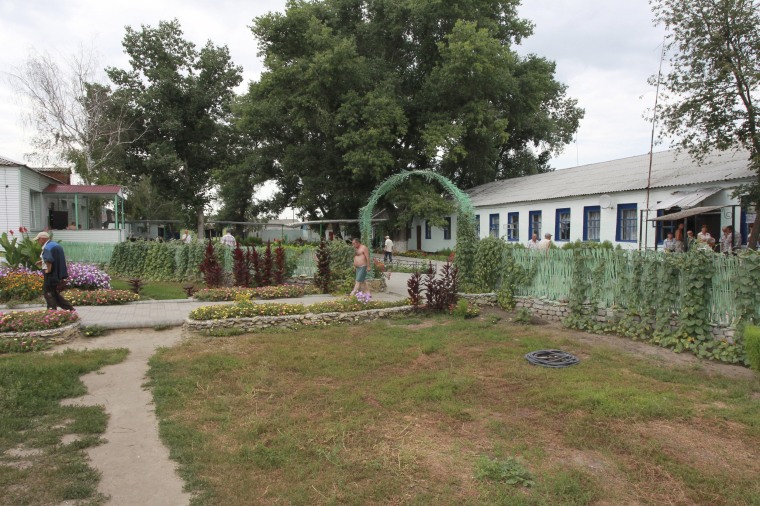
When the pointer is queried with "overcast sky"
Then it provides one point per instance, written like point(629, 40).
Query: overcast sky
point(604, 51)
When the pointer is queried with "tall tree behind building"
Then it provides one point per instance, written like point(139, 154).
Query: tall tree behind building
point(355, 91)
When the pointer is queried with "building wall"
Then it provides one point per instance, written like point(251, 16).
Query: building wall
point(608, 229)
point(10, 206)
point(31, 181)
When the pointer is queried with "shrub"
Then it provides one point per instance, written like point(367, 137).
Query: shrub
point(752, 346)
point(210, 267)
point(323, 274)
point(414, 289)
point(20, 284)
point(464, 310)
point(240, 269)
point(523, 316)
point(87, 277)
point(25, 253)
point(29, 321)
point(488, 263)
point(441, 292)
point(279, 265)
point(509, 470)
point(100, 297)
point(267, 266)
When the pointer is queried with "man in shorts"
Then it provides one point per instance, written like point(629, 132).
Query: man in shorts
point(361, 264)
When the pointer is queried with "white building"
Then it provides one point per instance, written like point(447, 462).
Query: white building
point(607, 202)
point(43, 199)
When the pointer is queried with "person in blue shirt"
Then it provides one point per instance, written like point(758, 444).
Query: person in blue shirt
point(53, 263)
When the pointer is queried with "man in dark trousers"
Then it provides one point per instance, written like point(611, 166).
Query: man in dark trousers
point(53, 263)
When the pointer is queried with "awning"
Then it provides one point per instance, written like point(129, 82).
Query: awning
point(686, 200)
point(685, 214)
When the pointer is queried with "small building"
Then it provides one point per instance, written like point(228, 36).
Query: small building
point(607, 202)
point(45, 199)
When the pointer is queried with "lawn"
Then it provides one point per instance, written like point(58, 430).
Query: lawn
point(42, 444)
point(156, 290)
point(444, 411)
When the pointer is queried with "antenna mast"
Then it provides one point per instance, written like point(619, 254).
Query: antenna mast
point(651, 148)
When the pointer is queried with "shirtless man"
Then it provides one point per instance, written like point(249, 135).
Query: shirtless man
point(361, 263)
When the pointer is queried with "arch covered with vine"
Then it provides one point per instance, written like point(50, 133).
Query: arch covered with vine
point(466, 236)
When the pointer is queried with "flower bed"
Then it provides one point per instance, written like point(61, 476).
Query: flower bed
point(30, 321)
point(87, 277)
point(22, 344)
point(264, 292)
point(248, 309)
point(20, 284)
point(100, 297)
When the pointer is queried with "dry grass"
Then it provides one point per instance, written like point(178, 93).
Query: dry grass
point(399, 412)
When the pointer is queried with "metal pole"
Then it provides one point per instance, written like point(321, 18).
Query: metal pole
point(651, 141)
point(76, 210)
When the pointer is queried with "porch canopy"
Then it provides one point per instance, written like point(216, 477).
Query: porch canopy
point(84, 207)
point(694, 211)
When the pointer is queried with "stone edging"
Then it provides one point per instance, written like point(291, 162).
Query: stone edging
point(258, 323)
point(58, 335)
point(558, 311)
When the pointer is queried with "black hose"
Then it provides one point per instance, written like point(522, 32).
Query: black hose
point(551, 358)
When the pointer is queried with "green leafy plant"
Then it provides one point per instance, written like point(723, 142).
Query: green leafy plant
point(23, 344)
point(92, 330)
point(464, 310)
point(523, 316)
point(508, 470)
point(488, 263)
point(752, 346)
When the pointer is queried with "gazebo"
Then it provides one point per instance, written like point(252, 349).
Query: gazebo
point(86, 213)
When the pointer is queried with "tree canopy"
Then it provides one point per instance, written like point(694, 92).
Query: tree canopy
point(181, 98)
point(355, 91)
point(712, 87)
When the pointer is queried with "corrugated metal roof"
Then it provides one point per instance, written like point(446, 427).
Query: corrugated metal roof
point(110, 189)
point(7, 162)
point(685, 200)
point(685, 214)
point(669, 169)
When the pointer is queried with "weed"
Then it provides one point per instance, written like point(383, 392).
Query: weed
point(224, 332)
point(523, 316)
point(162, 326)
point(92, 330)
point(508, 470)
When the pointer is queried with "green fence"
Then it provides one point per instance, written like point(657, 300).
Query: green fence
point(88, 252)
point(611, 274)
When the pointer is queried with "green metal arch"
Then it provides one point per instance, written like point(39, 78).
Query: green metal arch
point(466, 237)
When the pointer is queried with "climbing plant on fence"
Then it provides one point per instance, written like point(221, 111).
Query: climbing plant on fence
point(466, 233)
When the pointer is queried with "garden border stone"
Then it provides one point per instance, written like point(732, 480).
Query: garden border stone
point(259, 323)
point(60, 335)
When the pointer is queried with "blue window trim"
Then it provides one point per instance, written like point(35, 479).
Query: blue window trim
point(531, 214)
point(556, 224)
point(586, 211)
point(490, 224)
point(515, 234)
point(447, 229)
point(618, 228)
point(477, 225)
point(428, 230)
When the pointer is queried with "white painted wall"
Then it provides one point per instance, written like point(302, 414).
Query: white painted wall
point(608, 223)
point(10, 206)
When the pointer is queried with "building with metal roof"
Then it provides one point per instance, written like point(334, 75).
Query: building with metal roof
point(612, 201)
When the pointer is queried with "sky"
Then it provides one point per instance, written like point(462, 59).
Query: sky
point(604, 52)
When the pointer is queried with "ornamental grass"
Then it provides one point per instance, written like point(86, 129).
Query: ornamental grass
point(248, 309)
point(100, 297)
point(31, 321)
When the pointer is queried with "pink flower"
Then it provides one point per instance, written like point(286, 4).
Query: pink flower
point(10, 232)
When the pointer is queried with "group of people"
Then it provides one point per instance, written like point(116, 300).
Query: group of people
point(544, 244)
point(729, 242)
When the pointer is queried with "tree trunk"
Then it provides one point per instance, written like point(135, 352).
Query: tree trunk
point(201, 225)
point(752, 240)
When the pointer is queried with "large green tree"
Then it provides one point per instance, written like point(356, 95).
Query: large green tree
point(713, 82)
point(181, 97)
point(357, 90)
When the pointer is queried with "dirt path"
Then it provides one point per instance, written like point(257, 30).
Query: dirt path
point(135, 465)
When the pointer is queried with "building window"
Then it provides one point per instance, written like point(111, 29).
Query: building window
point(493, 225)
point(666, 227)
point(428, 230)
point(562, 225)
point(513, 226)
point(626, 223)
point(35, 210)
point(477, 226)
point(592, 218)
point(447, 229)
point(534, 224)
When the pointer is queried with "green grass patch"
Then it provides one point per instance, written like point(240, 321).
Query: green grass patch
point(35, 468)
point(403, 411)
point(155, 290)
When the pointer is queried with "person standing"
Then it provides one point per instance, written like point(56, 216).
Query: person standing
point(388, 250)
point(534, 242)
point(53, 263)
point(228, 239)
point(545, 243)
point(187, 237)
point(730, 241)
point(361, 263)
